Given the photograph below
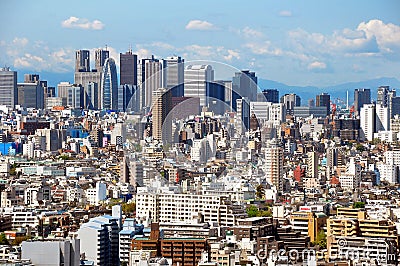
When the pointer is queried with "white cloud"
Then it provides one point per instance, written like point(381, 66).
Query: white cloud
point(387, 35)
point(231, 55)
point(263, 48)
point(82, 23)
point(251, 33)
point(142, 52)
point(20, 41)
point(285, 13)
point(317, 65)
point(199, 25)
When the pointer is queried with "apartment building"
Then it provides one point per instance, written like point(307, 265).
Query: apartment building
point(165, 207)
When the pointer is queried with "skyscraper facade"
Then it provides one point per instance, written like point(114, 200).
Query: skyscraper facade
point(244, 84)
point(367, 122)
point(109, 85)
point(150, 79)
point(274, 165)
point(8, 87)
point(82, 61)
point(290, 101)
point(361, 97)
point(128, 68)
point(270, 95)
point(197, 82)
point(173, 75)
point(100, 58)
point(162, 126)
point(323, 100)
point(382, 95)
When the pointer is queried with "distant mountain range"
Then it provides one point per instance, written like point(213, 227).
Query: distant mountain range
point(305, 92)
point(336, 91)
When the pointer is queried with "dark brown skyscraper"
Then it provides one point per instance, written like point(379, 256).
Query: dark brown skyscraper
point(128, 63)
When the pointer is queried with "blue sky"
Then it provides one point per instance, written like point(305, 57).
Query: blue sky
point(316, 43)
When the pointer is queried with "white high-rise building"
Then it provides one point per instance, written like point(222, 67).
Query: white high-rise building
point(197, 82)
point(274, 165)
point(170, 207)
point(99, 240)
point(382, 118)
point(268, 111)
point(367, 122)
point(373, 118)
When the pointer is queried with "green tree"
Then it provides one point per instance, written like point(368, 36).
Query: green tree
point(129, 208)
point(3, 239)
point(260, 192)
point(360, 147)
point(320, 239)
point(359, 205)
point(252, 211)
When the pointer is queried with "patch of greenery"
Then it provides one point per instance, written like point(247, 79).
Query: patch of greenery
point(359, 205)
point(253, 211)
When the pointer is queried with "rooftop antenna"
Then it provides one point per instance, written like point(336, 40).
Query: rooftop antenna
point(130, 48)
point(106, 47)
point(347, 99)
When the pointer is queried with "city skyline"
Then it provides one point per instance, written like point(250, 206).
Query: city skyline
point(315, 43)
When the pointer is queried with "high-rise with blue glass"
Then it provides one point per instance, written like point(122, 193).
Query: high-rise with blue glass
point(109, 85)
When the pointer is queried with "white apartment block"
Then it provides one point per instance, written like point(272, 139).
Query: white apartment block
point(392, 157)
point(165, 208)
point(388, 173)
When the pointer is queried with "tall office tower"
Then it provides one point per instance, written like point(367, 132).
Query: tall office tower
point(382, 119)
point(311, 103)
point(162, 125)
point(128, 98)
point(361, 97)
point(382, 95)
point(82, 61)
point(227, 86)
point(100, 57)
point(243, 112)
point(216, 97)
point(244, 84)
point(62, 89)
point(390, 96)
point(173, 73)
point(312, 164)
point(31, 95)
point(394, 106)
point(75, 97)
point(109, 85)
point(324, 100)
point(270, 95)
point(149, 79)
point(274, 165)
point(367, 122)
point(31, 78)
point(128, 68)
point(8, 87)
point(91, 96)
point(290, 101)
point(197, 82)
